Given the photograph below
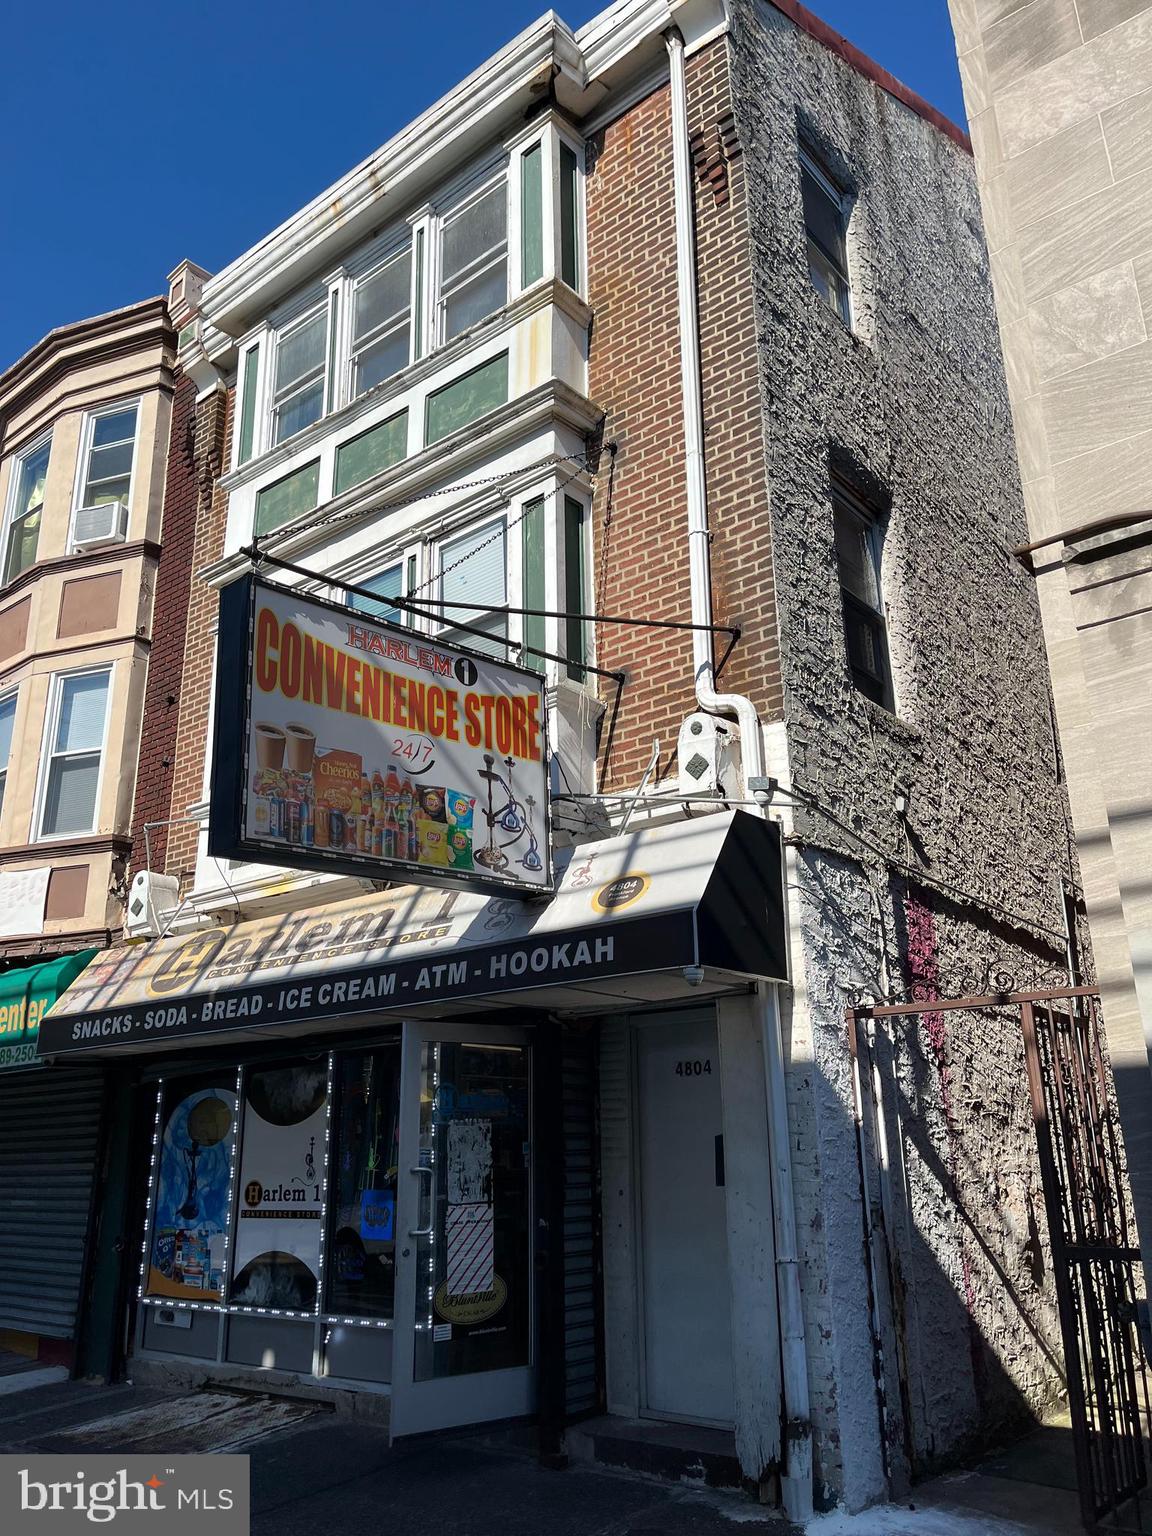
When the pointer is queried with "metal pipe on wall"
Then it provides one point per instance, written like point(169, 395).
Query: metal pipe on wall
point(796, 1480)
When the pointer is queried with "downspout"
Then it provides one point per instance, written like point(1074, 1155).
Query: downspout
point(796, 1480)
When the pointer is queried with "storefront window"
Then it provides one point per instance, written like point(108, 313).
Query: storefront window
point(190, 1220)
point(276, 1261)
point(361, 1259)
point(473, 1309)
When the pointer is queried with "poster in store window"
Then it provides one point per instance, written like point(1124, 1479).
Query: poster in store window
point(190, 1219)
point(276, 1259)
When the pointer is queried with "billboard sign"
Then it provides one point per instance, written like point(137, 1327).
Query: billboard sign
point(349, 744)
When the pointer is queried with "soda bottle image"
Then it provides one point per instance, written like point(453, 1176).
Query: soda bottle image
point(379, 793)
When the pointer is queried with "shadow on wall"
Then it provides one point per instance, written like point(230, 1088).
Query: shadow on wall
point(952, 1263)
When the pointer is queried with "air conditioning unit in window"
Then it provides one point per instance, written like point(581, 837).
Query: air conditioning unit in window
point(93, 526)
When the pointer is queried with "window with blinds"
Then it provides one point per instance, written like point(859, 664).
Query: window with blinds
point(388, 583)
point(75, 745)
point(474, 569)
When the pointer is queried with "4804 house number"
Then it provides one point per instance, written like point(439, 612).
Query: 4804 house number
point(694, 1068)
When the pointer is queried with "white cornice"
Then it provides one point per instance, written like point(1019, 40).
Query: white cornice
point(582, 68)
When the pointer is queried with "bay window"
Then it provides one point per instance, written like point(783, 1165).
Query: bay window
point(473, 568)
point(382, 322)
point(7, 721)
point(474, 258)
point(73, 749)
point(110, 444)
point(30, 475)
point(298, 385)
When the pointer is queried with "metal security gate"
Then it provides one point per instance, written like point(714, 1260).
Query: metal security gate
point(49, 1137)
point(1094, 1253)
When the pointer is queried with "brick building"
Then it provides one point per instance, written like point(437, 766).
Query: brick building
point(84, 420)
point(683, 317)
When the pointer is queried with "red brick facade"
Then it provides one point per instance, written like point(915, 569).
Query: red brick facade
point(169, 627)
point(213, 435)
point(641, 558)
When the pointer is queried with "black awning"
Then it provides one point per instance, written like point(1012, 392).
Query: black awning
point(631, 916)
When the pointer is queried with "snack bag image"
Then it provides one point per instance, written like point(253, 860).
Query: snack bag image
point(459, 848)
point(430, 802)
point(460, 808)
point(433, 841)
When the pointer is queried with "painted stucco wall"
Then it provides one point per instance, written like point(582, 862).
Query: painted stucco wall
point(912, 407)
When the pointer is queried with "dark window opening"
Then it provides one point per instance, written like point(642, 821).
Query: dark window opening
point(826, 225)
point(858, 552)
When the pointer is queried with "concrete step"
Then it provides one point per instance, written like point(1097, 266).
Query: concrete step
point(676, 1453)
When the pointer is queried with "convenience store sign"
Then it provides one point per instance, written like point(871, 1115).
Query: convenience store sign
point(349, 744)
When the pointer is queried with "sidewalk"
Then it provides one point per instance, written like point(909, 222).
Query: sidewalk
point(313, 1471)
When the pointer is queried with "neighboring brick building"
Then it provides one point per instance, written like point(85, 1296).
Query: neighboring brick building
point(84, 422)
point(463, 375)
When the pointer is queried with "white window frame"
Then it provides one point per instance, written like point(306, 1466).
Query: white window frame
point(87, 433)
point(14, 477)
point(481, 524)
point(411, 558)
point(450, 207)
point(8, 695)
point(47, 754)
point(396, 247)
point(303, 315)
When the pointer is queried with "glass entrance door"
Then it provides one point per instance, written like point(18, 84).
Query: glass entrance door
point(464, 1336)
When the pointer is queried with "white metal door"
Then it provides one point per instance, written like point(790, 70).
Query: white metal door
point(685, 1303)
point(464, 1323)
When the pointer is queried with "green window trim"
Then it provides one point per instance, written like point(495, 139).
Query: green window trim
point(533, 579)
point(531, 215)
point(575, 640)
point(458, 404)
point(370, 452)
point(569, 218)
point(248, 404)
point(288, 499)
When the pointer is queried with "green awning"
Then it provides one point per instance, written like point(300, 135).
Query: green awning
point(26, 995)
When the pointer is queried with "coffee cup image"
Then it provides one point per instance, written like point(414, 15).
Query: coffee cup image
point(270, 743)
point(301, 747)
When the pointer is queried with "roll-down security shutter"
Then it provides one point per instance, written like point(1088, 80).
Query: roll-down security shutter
point(582, 1372)
point(49, 1135)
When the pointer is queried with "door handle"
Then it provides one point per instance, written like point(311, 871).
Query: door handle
point(719, 1162)
point(424, 1231)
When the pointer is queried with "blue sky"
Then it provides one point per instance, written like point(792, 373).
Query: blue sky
point(138, 133)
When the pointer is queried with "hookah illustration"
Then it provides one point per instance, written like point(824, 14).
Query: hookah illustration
point(208, 1124)
point(513, 817)
point(310, 1160)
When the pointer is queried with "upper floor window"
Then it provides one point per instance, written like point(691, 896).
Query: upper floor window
point(382, 322)
point(826, 226)
point(27, 505)
point(110, 442)
point(474, 258)
point(858, 559)
point(73, 750)
point(473, 568)
point(298, 386)
point(7, 720)
point(388, 583)
point(425, 282)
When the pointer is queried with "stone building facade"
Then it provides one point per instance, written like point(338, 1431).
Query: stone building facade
point(862, 501)
point(1060, 102)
